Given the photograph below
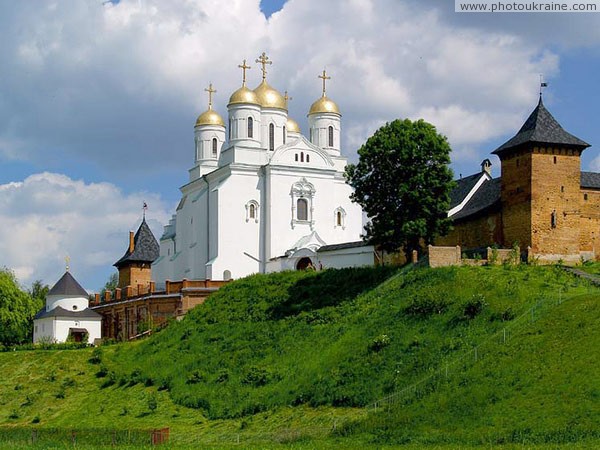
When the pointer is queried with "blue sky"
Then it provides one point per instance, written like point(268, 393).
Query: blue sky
point(98, 101)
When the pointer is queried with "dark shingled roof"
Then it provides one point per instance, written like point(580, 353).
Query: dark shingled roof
point(590, 180)
point(462, 188)
point(541, 128)
point(145, 247)
point(61, 312)
point(355, 244)
point(67, 285)
point(486, 197)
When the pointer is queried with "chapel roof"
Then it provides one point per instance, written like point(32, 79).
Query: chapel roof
point(486, 197)
point(145, 247)
point(61, 312)
point(67, 285)
point(462, 188)
point(541, 128)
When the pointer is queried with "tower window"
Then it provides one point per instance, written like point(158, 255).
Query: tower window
point(271, 137)
point(585, 196)
point(302, 209)
point(307, 158)
point(214, 147)
point(330, 136)
point(250, 127)
point(553, 219)
point(230, 127)
point(555, 160)
point(301, 156)
point(562, 189)
point(311, 133)
point(296, 157)
point(284, 134)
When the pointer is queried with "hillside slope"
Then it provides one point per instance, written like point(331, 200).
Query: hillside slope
point(315, 350)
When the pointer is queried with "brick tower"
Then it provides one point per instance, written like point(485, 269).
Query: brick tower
point(135, 265)
point(540, 187)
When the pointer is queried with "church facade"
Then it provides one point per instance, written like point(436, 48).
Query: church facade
point(542, 201)
point(262, 196)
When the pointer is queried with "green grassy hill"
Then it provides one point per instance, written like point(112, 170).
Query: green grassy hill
point(454, 356)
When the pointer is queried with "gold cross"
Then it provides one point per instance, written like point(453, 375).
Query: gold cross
point(286, 97)
point(67, 261)
point(324, 77)
point(264, 60)
point(210, 91)
point(243, 66)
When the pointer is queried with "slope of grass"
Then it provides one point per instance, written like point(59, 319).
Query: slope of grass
point(294, 358)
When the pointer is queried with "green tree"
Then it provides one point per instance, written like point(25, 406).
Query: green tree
point(403, 182)
point(112, 283)
point(39, 290)
point(17, 309)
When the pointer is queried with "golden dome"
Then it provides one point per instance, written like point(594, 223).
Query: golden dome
point(243, 95)
point(210, 117)
point(269, 97)
point(292, 126)
point(324, 105)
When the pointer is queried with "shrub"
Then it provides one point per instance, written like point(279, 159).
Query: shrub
point(426, 304)
point(379, 343)
point(197, 376)
point(96, 357)
point(473, 307)
point(152, 402)
point(256, 376)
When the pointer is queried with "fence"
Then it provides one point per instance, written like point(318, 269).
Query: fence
point(429, 383)
point(45, 437)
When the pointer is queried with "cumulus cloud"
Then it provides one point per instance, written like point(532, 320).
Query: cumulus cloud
point(49, 216)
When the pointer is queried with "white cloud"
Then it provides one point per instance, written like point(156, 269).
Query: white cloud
point(49, 216)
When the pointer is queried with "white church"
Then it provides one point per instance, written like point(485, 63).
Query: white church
point(261, 196)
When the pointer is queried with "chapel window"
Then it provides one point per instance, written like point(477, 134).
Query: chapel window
point(250, 127)
point(271, 137)
point(214, 147)
point(302, 209)
point(307, 158)
point(296, 157)
point(252, 212)
point(330, 136)
point(338, 218)
point(301, 156)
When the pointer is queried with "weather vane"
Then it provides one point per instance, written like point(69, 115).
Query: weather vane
point(67, 261)
point(145, 208)
point(543, 84)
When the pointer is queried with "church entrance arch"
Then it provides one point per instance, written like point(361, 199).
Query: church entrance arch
point(304, 263)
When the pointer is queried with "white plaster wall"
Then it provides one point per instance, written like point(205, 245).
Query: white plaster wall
point(279, 119)
point(62, 326)
point(238, 119)
point(70, 303)
point(43, 329)
point(351, 257)
point(319, 124)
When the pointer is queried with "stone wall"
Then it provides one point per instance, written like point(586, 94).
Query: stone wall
point(443, 256)
point(479, 232)
point(515, 193)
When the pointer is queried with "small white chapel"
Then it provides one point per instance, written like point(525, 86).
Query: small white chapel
point(66, 315)
point(261, 196)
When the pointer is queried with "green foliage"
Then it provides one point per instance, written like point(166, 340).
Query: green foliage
point(38, 291)
point(403, 183)
point(112, 282)
point(17, 310)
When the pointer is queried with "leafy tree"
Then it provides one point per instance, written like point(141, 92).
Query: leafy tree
point(403, 182)
point(112, 283)
point(17, 309)
point(39, 290)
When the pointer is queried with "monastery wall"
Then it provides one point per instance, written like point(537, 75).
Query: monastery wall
point(479, 232)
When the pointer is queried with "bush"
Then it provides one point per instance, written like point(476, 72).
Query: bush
point(379, 343)
point(426, 304)
point(256, 376)
point(473, 307)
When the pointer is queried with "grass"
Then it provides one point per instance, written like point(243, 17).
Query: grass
point(296, 359)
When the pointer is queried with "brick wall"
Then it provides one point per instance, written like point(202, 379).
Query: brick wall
point(444, 256)
point(515, 193)
point(479, 232)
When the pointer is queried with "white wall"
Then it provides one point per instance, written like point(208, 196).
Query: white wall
point(70, 303)
point(56, 329)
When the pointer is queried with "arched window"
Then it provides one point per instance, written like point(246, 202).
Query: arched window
point(330, 136)
point(338, 218)
point(301, 156)
point(271, 137)
point(252, 211)
point(250, 127)
point(284, 134)
point(296, 157)
point(307, 158)
point(302, 209)
point(230, 128)
point(214, 147)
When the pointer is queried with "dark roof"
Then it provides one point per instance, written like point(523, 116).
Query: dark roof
point(355, 244)
point(590, 180)
point(61, 312)
point(541, 128)
point(462, 188)
point(67, 285)
point(145, 247)
point(486, 197)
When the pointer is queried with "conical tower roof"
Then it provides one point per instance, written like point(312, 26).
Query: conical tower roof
point(145, 247)
point(67, 285)
point(541, 128)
